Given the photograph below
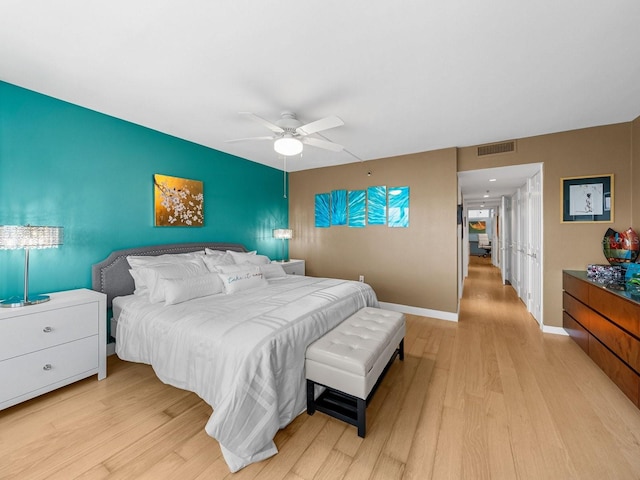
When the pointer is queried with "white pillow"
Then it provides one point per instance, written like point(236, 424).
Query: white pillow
point(214, 261)
point(251, 257)
point(242, 280)
point(151, 275)
point(211, 251)
point(178, 290)
point(137, 261)
point(139, 281)
point(273, 270)
point(235, 268)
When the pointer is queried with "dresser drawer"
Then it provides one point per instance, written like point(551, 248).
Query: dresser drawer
point(625, 378)
point(576, 331)
point(576, 287)
point(31, 332)
point(619, 310)
point(28, 373)
point(617, 340)
point(579, 311)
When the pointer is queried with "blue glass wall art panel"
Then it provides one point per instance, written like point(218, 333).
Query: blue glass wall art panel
point(377, 205)
point(357, 208)
point(323, 220)
point(338, 207)
point(399, 207)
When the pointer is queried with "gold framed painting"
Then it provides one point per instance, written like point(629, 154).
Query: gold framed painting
point(586, 199)
point(179, 202)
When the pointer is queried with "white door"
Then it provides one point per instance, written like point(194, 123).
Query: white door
point(504, 235)
point(523, 239)
point(534, 304)
point(515, 242)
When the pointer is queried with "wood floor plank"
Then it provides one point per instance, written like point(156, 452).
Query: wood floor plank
point(399, 443)
point(419, 464)
point(334, 467)
point(316, 454)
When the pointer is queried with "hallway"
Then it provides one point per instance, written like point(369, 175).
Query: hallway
point(522, 404)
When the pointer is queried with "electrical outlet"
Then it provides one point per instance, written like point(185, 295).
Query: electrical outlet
point(361, 279)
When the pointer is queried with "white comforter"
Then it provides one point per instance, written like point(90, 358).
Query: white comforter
point(242, 353)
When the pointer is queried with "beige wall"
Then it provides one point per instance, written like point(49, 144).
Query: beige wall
point(591, 151)
point(413, 266)
point(418, 266)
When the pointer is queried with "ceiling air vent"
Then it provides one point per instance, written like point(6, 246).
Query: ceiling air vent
point(495, 148)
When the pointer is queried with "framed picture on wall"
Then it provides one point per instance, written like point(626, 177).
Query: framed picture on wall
point(179, 202)
point(586, 199)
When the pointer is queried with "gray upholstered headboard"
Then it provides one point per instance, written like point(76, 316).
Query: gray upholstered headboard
point(111, 276)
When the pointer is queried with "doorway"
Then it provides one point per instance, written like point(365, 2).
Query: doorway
point(516, 236)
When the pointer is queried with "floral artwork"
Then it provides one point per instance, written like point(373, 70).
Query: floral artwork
point(178, 202)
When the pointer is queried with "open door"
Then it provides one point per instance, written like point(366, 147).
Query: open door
point(504, 229)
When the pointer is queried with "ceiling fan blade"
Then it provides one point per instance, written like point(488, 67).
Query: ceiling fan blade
point(319, 125)
point(248, 139)
point(271, 126)
point(316, 142)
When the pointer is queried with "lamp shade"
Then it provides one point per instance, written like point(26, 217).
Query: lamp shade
point(283, 233)
point(287, 145)
point(29, 236)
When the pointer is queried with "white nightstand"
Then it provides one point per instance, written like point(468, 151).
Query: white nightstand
point(52, 344)
point(293, 266)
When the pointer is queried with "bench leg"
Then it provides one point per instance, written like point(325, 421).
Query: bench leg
point(401, 348)
point(362, 418)
point(311, 403)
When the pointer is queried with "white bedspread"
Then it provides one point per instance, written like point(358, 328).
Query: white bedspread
point(242, 353)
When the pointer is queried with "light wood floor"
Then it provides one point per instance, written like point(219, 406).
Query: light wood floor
point(489, 397)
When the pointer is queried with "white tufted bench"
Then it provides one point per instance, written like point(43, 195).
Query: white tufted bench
point(350, 361)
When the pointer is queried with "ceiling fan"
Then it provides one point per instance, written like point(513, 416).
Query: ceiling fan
point(290, 134)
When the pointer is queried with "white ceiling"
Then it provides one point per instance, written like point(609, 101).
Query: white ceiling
point(405, 77)
point(485, 188)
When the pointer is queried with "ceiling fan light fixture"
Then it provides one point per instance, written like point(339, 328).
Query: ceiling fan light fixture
point(288, 145)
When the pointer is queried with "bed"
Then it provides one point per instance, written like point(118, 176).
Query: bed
point(241, 350)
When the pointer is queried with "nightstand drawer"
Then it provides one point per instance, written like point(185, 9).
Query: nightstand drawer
point(31, 332)
point(294, 267)
point(28, 373)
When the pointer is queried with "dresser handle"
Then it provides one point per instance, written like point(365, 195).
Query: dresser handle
point(47, 367)
point(47, 329)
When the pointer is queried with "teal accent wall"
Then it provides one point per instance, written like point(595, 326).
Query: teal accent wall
point(65, 165)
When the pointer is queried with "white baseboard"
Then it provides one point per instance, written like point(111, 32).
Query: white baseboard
point(111, 348)
point(554, 330)
point(424, 312)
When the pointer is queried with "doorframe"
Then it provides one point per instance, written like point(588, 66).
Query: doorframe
point(510, 259)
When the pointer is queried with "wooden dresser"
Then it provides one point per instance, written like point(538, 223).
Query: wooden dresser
point(606, 325)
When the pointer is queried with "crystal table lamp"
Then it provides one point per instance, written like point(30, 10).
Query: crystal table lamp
point(283, 234)
point(27, 237)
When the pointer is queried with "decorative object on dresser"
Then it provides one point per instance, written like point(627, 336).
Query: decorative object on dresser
point(28, 237)
point(621, 248)
point(52, 344)
point(605, 323)
point(283, 234)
